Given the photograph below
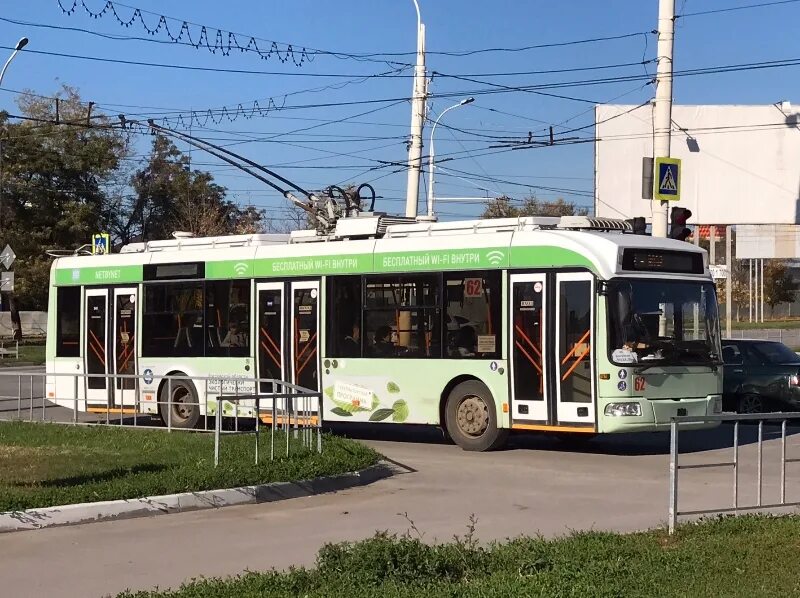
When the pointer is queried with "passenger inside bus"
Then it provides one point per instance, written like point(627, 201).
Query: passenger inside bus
point(351, 346)
point(466, 342)
point(383, 346)
point(235, 337)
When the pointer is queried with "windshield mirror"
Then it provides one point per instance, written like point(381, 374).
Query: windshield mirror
point(664, 322)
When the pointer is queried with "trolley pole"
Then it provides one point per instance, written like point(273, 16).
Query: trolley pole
point(417, 121)
point(662, 112)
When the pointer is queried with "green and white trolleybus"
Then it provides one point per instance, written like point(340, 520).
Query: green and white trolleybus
point(570, 325)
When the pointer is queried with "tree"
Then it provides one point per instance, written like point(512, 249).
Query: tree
point(56, 169)
point(169, 196)
point(501, 207)
point(778, 284)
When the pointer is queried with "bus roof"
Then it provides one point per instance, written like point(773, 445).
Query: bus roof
point(400, 247)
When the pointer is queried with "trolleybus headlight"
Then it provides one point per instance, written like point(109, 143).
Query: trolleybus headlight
point(623, 409)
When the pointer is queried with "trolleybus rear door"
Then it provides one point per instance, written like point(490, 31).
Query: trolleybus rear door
point(304, 331)
point(125, 306)
point(529, 356)
point(270, 334)
point(97, 387)
point(574, 348)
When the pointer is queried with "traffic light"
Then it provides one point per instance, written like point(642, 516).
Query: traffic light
point(677, 223)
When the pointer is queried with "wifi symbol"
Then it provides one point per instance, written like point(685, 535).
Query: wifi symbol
point(240, 268)
point(495, 257)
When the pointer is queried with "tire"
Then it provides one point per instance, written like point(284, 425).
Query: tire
point(184, 404)
point(750, 404)
point(471, 418)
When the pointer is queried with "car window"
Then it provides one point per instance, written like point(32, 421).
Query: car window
point(731, 355)
point(775, 353)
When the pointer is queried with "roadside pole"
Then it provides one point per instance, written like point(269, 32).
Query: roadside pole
point(662, 111)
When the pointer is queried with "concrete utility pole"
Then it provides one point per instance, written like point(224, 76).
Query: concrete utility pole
point(418, 99)
point(662, 111)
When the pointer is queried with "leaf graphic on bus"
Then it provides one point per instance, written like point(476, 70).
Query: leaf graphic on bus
point(400, 409)
point(341, 412)
point(375, 402)
point(380, 415)
point(329, 392)
point(392, 387)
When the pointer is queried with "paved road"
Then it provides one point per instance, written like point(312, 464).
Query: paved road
point(539, 485)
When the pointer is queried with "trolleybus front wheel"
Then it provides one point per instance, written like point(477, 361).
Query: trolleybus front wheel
point(179, 407)
point(471, 418)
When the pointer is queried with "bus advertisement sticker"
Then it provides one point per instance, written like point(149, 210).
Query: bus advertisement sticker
point(622, 385)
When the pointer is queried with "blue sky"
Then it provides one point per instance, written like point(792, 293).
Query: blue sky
point(313, 157)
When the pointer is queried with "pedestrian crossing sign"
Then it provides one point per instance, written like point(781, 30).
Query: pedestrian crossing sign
point(100, 244)
point(667, 179)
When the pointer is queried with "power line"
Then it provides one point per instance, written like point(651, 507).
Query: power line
point(735, 8)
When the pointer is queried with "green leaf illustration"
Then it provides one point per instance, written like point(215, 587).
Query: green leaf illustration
point(375, 402)
point(400, 409)
point(380, 415)
point(392, 387)
point(329, 392)
point(341, 412)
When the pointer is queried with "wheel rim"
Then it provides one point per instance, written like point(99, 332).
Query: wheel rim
point(182, 404)
point(473, 416)
point(750, 404)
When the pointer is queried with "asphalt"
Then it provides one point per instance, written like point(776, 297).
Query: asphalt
point(538, 485)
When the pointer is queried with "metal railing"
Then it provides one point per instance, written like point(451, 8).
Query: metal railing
point(6, 352)
point(788, 336)
point(735, 464)
point(239, 405)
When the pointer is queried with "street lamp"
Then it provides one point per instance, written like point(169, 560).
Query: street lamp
point(20, 44)
point(431, 164)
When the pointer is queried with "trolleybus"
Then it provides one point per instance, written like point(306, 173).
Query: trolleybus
point(570, 325)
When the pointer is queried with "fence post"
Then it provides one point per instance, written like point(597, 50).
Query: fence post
point(736, 467)
point(673, 475)
point(760, 447)
point(783, 461)
point(258, 416)
point(217, 427)
point(169, 404)
point(74, 400)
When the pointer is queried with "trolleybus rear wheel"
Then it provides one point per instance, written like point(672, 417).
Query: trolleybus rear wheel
point(471, 418)
point(179, 406)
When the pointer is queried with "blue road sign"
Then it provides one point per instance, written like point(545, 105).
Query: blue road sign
point(100, 244)
point(667, 179)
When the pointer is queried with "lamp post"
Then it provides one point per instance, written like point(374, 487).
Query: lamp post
point(20, 44)
point(417, 120)
point(431, 157)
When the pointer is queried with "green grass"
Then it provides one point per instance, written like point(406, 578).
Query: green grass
point(770, 324)
point(51, 464)
point(33, 354)
point(732, 557)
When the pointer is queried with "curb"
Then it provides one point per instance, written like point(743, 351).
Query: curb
point(13, 521)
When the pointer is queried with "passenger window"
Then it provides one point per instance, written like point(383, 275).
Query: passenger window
point(173, 320)
point(472, 315)
point(68, 315)
point(344, 316)
point(228, 318)
point(402, 317)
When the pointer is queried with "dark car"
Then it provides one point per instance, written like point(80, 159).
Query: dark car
point(760, 376)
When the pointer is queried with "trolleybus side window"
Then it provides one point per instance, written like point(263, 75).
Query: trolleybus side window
point(227, 318)
point(68, 330)
point(472, 314)
point(173, 320)
point(344, 316)
point(402, 317)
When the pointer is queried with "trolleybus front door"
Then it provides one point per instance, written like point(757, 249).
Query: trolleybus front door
point(575, 348)
point(125, 384)
point(528, 353)
point(96, 347)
